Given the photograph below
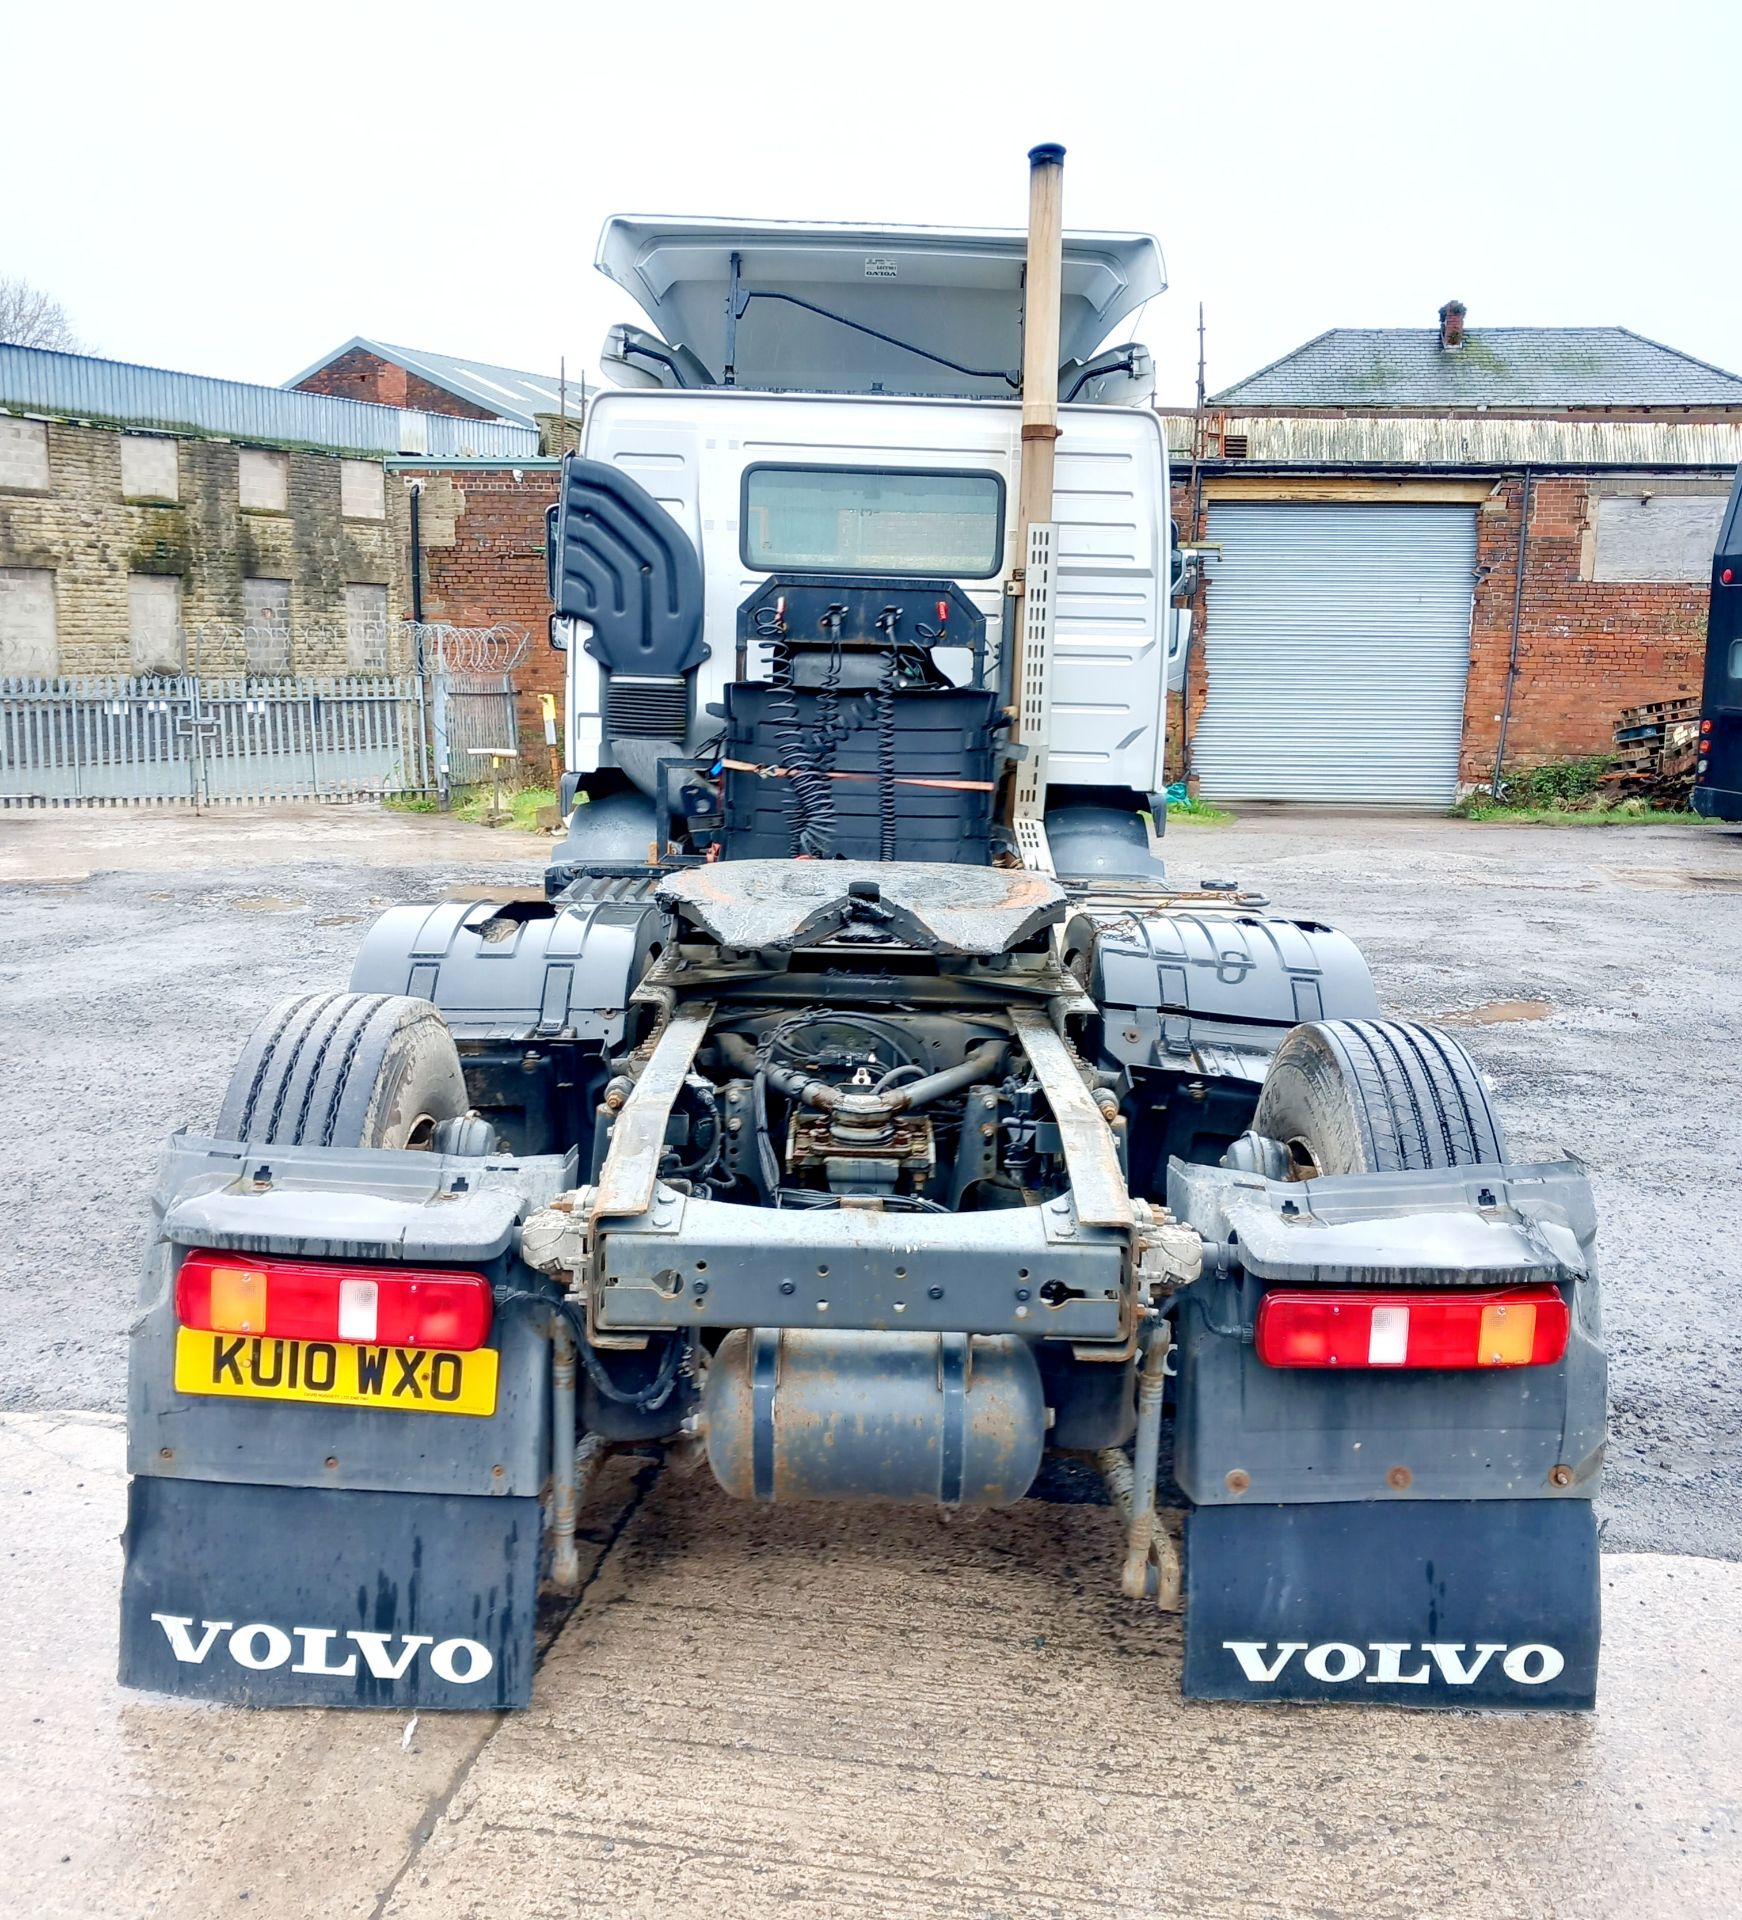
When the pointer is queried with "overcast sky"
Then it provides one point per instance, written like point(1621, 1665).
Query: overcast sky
point(236, 189)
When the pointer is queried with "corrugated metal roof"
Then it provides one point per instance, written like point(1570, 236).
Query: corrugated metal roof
point(1496, 366)
point(508, 392)
point(1407, 440)
point(74, 386)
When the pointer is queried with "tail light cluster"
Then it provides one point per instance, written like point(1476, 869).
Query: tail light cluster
point(1514, 1327)
point(317, 1300)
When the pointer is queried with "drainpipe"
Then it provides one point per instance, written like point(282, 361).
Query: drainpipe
point(1517, 613)
point(416, 554)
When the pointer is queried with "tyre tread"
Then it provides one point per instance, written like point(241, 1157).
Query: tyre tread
point(315, 1069)
point(1409, 1095)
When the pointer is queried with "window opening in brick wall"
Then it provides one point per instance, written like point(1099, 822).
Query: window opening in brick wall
point(366, 628)
point(27, 630)
point(148, 468)
point(362, 490)
point(23, 455)
point(263, 481)
point(1656, 536)
point(266, 626)
point(154, 634)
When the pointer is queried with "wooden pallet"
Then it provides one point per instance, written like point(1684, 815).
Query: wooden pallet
point(1656, 712)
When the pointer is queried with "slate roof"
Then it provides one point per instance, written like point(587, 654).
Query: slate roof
point(1495, 367)
point(509, 392)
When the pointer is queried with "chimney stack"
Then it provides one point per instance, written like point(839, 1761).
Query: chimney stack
point(1451, 326)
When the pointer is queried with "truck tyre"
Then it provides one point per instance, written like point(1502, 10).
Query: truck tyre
point(1376, 1096)
point(345, 1070)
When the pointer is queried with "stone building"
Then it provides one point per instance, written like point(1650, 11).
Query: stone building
point(152, 522)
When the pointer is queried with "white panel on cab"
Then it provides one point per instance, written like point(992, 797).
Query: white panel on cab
point(691, 450)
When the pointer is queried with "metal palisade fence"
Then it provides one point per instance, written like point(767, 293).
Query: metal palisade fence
point(223, 734)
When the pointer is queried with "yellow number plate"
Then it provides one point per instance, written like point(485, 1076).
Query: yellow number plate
point(336, 1374)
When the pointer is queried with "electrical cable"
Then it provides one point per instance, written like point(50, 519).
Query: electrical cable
point(647, 1399)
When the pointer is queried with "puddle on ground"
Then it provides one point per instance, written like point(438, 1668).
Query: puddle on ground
point(1496, 1013)
point(266, 903)
point(339, 920)
point(1676, 879)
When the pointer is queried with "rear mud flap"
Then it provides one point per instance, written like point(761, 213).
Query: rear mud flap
point(1423, 1603)
point(321, 1597)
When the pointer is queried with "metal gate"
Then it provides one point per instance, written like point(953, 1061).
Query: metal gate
point(472, 703)
point(1336, 647)
point(198, 741)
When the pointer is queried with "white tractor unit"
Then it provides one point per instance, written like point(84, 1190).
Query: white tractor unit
point(863, 1109)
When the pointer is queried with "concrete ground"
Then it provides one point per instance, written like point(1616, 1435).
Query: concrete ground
point(887, 1713)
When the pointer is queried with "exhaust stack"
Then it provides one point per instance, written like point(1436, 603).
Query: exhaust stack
point(1031, 682)
point(1040, 335)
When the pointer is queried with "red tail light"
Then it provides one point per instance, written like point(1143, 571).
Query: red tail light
point(1516, 1327)
point(312, 1300)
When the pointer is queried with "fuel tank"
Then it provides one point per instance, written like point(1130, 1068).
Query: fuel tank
point(947, 1419)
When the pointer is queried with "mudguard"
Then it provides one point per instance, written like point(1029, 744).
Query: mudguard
point(314, 1553)
point(316, 1597)
point(1247, 1432)
point(1201, 990)
point(1491, 1603)
point(518, 969)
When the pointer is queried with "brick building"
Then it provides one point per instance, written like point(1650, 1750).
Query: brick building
point(481, 534)
point(1362, 634)
point(390, 376)
point(152, 521)
point(481, 522)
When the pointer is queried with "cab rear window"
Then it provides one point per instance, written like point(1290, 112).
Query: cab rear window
point(873, 520)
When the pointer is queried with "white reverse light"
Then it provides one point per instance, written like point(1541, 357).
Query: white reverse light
point(359, 1304)
point(1388, 1342)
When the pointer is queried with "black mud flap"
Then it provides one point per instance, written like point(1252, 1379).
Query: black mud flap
point(322, 1597)
point(1421, 1603)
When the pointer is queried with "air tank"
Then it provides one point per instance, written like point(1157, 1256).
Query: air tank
point(947, 1419)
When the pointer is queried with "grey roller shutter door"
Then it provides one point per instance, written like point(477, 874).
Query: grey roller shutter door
point(1336, 642)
